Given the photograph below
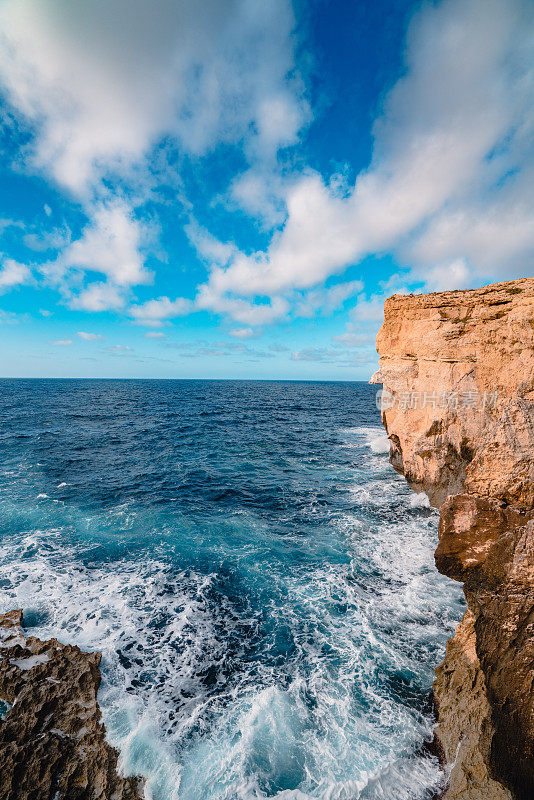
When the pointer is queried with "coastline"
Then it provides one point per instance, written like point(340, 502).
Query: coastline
point(53, 740)
point(474, 461)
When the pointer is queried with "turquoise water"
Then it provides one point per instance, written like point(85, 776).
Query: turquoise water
point(259, 580)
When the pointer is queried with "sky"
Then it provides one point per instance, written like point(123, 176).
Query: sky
point(231, 188)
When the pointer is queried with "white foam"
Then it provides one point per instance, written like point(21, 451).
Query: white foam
point(206, 745)
point(30, 662)
point(374, 438)
point(419, 500)
point(327, 719)
point(379, 443)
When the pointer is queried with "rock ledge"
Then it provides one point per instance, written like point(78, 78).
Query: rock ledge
point(52, 739)
point(458, 406)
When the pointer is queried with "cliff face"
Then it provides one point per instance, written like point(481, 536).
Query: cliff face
point(52, 740)
point(458, 407)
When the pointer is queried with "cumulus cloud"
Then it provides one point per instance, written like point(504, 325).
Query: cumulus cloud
point(89, 337)
point(100, 87)
point(209, 248)
point(449, 189)
point(154, 335)
point(153, 312)
point(98, 296)
point(325, 300)
point(241, 310)
point(444, 277)
point(369, 310)
point(260, 191)
point(110, 245)
point(243, 333)
point(62, 343)
point(452, 148)
point(102, 83)
point(13, 274)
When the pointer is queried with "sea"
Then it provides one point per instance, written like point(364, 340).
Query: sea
point(259, 580)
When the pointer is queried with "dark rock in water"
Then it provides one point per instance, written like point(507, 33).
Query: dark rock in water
point(52, 739)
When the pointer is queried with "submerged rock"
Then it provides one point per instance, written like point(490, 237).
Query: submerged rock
point(458, 375)
point(52, 739)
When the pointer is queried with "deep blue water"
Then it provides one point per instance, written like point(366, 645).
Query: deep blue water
point(259, 580)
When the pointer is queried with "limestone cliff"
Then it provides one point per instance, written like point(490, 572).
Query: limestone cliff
point(52, 740)
point(458, 406)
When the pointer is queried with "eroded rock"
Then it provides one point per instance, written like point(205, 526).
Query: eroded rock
point(458, 377)
point(52, 739)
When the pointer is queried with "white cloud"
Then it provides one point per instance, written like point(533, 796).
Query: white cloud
point(90, 337)
point(98, 297)
point(241, 310)
point(10, 318)
point(154, 335)
point(307, 304)
point(62, 343)
point(260, 191)
point(119, 348)
point(492, 236)
point(333, 356)
point(452, 145)
point(369, 310)
point(310, 354)
point(110, 244)
point(445, 277)
point(208, 247)
point(100, 87)
point(104, 82)
point(13, 274)
point(353, 339)
point(153, 312)
point(449, 189)
point(44, 240)
point(243, 333)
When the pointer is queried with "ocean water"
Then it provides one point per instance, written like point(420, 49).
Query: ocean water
point(259, 580)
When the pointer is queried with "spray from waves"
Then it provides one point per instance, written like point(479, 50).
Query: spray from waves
point(187, 706)
point(375, 438)
point(169, 638)
point(301, 678)
point(419, 500)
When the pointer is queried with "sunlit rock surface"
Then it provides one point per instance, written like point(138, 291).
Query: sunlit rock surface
point(458, 406)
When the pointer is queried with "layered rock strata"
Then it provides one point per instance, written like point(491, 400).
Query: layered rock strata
point(52, 740)
point(458, 406)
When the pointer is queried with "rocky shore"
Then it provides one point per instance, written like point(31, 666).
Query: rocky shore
point(458, 406)
point(52, 739)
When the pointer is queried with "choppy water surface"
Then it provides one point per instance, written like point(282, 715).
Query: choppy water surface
point(260, 582)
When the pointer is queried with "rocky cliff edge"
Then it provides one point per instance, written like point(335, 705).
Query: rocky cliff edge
point(458, 406)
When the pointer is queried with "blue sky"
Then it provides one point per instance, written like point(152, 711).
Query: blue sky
point(231, 188)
